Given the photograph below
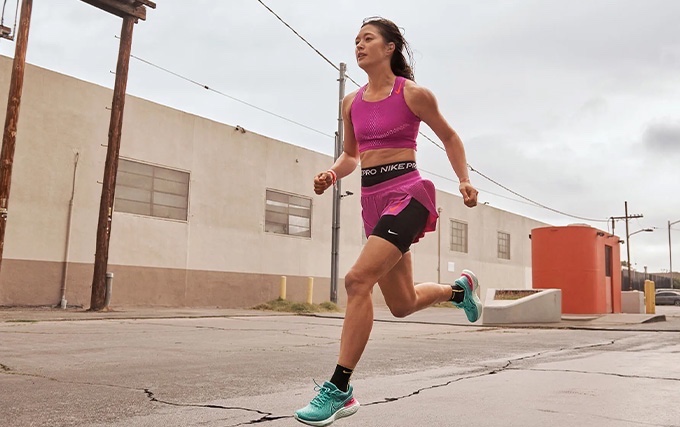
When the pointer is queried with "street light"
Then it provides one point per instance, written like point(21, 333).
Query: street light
point(647, 230)
point(670, 256)
point(628, 236)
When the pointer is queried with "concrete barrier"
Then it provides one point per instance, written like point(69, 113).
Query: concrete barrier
point(632, 302)
point(541, 306)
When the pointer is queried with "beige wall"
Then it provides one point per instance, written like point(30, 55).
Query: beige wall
point(221, 256)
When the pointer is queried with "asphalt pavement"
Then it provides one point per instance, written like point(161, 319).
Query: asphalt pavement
point(227, 368)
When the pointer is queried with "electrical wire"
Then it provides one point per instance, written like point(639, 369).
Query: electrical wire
point(482, 190)
point(305, 40)
point(206, 87)
point(533, 201)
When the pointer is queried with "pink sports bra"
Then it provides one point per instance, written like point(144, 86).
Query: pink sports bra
point(387, 123)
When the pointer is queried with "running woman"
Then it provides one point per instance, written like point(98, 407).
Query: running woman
point(398, 206)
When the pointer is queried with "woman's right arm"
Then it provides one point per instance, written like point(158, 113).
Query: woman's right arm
point(349, 159)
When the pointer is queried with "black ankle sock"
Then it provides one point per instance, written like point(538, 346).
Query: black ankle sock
point(457, 293)
point(341, 377)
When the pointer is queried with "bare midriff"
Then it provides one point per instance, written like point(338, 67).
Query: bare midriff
point(385, 156)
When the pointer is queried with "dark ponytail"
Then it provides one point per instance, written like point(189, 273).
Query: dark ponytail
point(401, 66)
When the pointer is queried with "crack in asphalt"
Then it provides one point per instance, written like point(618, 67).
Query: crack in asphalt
point(394, 399)
point(611, 374)
point(266, 416)
point(491, 372)
point(4, 369)
point(635, 422)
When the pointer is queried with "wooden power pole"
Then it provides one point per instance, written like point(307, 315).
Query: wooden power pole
point(130, 11)
point(9, 136)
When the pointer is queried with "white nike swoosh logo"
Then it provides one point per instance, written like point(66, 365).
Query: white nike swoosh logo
point(392, 232)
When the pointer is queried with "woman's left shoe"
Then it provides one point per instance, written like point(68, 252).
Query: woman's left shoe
point(471, 303)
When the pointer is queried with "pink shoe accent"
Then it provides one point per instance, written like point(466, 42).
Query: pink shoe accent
point(471, 284)
point(350, 402)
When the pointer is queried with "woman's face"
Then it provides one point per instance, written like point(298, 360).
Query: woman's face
point(370, 47)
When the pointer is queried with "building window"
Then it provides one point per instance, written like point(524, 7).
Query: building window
point(503, 245)
point(151, 190)
point(288, 214)
point(459, 236)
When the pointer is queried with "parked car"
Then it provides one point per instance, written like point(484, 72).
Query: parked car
point(667, 297)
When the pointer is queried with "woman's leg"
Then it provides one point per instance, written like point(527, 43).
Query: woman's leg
point(376, 259)
point(402, 297)
point(335, 401)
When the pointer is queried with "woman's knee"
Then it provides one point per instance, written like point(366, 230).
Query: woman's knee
point(355, 284)
point(400, 310)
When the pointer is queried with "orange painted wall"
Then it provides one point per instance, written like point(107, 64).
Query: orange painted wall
point(572, 258)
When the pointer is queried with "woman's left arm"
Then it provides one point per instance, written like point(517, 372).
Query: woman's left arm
point(424, 105)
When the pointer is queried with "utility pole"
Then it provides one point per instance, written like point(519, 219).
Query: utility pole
point(670, 256)
point(101, 256)
point(628, 246)
point(9, 135)
point(335, 235)
point(130, 11)
point(439, 245)
point(627, 217)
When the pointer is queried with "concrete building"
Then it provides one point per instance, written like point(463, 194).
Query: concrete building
point(206, 214)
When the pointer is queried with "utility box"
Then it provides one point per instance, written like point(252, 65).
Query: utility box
point(582, 261)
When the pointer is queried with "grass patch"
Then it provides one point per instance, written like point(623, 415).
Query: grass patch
point(21, 321)
point(504, 294)
point(286, 306)
point(445, 304)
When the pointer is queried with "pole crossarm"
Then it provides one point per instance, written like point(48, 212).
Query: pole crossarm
point(631, 216)
point(124, 8)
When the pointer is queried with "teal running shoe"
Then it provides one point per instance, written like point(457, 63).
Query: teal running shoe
point(329, 405)
point(471, 303)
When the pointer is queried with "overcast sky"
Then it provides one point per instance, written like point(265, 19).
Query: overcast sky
point(573, 103)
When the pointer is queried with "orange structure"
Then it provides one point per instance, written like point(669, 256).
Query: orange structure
point(582, 261)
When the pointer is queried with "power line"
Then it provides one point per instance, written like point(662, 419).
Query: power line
point(432, 141)
point(305, 40)
point(533, 201)
point(479, 188)
point(206, 87)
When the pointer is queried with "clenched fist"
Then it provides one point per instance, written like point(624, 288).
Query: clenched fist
point(322, 182)
point(469, 194)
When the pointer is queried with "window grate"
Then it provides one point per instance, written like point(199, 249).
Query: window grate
point(288, 214)
point(503, 245)
point(150, 190)
point(459, 236)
